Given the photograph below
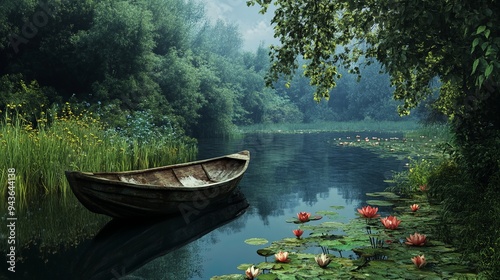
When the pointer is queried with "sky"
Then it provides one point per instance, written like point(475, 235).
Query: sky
point(255, 28)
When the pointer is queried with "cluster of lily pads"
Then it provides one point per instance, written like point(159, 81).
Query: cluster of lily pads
point(391, 247)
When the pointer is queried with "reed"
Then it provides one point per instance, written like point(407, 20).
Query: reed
point(69, 141)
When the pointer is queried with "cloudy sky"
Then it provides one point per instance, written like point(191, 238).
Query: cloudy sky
point(254, 27)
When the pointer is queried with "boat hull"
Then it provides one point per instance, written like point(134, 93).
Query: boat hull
point(175, 189)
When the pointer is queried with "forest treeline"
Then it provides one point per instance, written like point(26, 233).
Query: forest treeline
point(161, 62)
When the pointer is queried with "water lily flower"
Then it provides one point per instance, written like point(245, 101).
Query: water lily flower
point(416, 239)
point(369, 212)
point(298, 232)
point(323, 260)
point(282, 256)
point(414, 207)
point(390, 222)
point(303, 216)
point(252, 272)
point(423, 188)
point(419, 261)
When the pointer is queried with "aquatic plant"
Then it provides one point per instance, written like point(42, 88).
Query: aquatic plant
point(303, 216)
point(369, 212)
point(419, 261)
point(282, 257)
point(252, 272)
point(322, 260)
point(390, 222)
point(298, 232)
point(414, 207)
point(416, 239)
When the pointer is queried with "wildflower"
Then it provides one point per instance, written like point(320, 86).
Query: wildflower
point(252, 272)
point(414, 207)
point(419, 261)
point(298, 232)
point(369, 212)
point(282, 256)
point(323, 260)
point(416, 239)
point(391, 222)
point(303, 216)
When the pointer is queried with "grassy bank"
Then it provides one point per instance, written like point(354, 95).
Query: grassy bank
point(69, 141)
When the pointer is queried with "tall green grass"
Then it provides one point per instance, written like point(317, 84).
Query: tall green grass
point(70, 141)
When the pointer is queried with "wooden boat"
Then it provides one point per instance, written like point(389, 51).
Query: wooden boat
point(185, 188)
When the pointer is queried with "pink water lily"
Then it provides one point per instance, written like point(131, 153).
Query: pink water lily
point(414, 207)
point(252, 272)
point(369, 212)
point(303, 216)
point(416, 239)
point(419, 261)
point(298, 232)
point(282, 257)
point(390, 222)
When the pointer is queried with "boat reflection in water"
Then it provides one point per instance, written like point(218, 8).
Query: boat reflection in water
point(123, 246)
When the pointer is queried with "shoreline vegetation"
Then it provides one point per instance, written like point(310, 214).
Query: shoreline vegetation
point(331, 126)
point(41, 150)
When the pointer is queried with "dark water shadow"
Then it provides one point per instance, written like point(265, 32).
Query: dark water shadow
point(123, 246)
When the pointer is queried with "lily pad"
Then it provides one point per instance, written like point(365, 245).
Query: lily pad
point(296, 221)
point(379, 202)
point(245, 266)
point(256, 241)
point(389, 195)
point(265, 252)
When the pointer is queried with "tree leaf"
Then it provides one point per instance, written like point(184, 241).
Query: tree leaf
point(474, 66)
point(480, 29)
point(474, 44)
point(488, 71)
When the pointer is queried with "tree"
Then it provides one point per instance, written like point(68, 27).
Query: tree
point(415, 41)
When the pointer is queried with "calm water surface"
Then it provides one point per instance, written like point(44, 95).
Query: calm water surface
point(287, 174)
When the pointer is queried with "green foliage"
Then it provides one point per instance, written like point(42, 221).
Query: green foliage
point(68, 140)
point(415, 42)
point(28, 98)
point(475, 213)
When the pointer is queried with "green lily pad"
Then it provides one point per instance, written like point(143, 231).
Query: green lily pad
point(245, 266)
point(265, 252)
point(379, 203)
point(296, 221)
point(389, 195)
point(256, 241)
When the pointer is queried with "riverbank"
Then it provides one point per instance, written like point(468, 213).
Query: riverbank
point(358, 126)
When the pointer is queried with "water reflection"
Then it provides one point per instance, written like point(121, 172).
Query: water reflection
point(288, 169)
point(122, 247)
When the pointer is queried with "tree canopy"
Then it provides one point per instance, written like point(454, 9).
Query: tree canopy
point(415, 41)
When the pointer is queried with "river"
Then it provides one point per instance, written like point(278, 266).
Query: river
point(288, 173)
